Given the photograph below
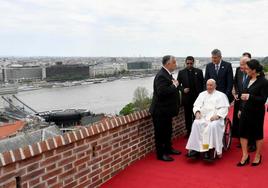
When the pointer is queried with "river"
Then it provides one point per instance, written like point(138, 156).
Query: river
point(108, 97)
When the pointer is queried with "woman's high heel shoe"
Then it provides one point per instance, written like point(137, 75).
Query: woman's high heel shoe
point(256, 164)
point(244, 163)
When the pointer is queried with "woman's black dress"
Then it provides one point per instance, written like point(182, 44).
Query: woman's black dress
point(253, 110)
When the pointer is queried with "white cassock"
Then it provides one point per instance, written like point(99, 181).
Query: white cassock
point(208, 134)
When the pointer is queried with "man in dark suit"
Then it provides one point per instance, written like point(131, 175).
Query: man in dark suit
point(222, 72)
point(165, 106)
point(240, 82)
point(191, 83)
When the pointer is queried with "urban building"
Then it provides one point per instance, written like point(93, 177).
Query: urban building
point(19, 73)
point(62, 72)
point(139, 66)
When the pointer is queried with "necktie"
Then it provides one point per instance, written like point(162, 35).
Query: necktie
point(244, 80)
point(217, 69)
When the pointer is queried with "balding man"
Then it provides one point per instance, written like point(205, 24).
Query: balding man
point(240, 82)
point(165, 106)
point(210, 109)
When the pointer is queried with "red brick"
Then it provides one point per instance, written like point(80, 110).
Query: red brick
point(10, 184)
point(17, 155)
point(68, 180)
point(81, 161)
point(9, 168)
point(33, 175)
point(50, 160)
point(68, 153)
point(96, 184)
point(50, 167)
point(48, 153)
point(26, 152)
point(81, 148)
point(64, 148)
point(82, 173)
point(7, 157)
point(118, 160)
point(53, 173)
point(51, 181)
point(58, 185)
point(68, 166)
point(68, 173)
point(51, 143)
point(71, 184)
point(34, 182)
point(85, 184)
point(33, 167)
point(58, 141)
point(43, 146)
point(81, 180)
point(65, 161)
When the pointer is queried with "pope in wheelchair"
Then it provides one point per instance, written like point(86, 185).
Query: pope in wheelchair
point(210, 109)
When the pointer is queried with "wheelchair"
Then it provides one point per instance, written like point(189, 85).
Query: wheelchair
point(227, 138)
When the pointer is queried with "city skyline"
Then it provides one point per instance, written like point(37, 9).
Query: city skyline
point(132, 28)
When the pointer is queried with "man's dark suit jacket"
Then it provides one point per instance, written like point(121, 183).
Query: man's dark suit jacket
point(184, 82)
point(224, 79)
point(165, 97)
point(238, 79)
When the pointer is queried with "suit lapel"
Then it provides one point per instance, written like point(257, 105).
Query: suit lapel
point(165, 72)
point(214, 70)
point(221, 69)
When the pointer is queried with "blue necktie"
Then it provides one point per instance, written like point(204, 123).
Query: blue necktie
point(244, 82)
point(217, 68)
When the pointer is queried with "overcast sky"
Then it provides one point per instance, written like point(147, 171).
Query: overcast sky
point(133, 27)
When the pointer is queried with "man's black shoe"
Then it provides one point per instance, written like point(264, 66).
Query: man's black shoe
point(165, 158)
point(174, 152)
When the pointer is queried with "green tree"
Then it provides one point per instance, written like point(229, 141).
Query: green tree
point(141, 101)
point(129, 108)
point(264, 61)
point(141, 98)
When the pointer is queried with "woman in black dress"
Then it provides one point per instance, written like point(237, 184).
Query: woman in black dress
point(252, 111)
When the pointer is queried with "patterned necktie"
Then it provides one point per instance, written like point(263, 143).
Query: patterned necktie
point(217, 68)
point(244, 80)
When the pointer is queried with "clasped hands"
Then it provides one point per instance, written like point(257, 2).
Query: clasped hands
point(243, 97)
point(213, 118)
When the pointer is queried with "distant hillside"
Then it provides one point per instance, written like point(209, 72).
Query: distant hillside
point(264, 61)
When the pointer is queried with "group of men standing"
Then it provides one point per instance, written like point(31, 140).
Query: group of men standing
point(190, 83)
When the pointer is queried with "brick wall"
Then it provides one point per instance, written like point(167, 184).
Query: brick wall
point(85, 158)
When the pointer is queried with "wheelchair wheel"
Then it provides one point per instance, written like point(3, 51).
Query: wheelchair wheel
point(227, 137)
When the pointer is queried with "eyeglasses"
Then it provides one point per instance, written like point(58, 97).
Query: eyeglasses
point(189, 63)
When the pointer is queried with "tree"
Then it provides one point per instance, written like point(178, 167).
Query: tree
point(129, 108)
point(141, 99)
point(265, 63)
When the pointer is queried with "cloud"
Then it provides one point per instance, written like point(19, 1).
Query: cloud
point(132, 27)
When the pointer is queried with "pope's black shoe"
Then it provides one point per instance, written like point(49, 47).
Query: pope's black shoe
point(193, 154)
point(207, 156)
point(165, 158)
